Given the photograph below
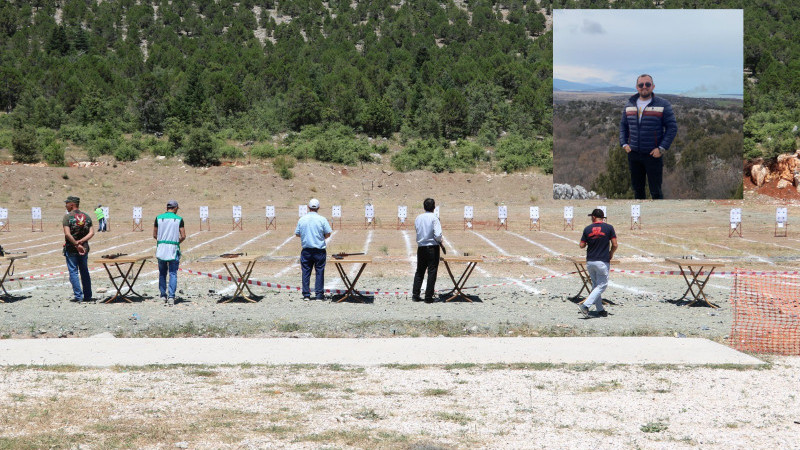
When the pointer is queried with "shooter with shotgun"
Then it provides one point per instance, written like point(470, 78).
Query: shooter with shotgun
point(429, 242)
point(313, 229)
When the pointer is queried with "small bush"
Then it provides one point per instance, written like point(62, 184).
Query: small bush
point(199, 148)
point(283, 166)
point(126, 152)
point(162, 148)
point(25, 145)
point(230, 152)
point(263, 151)
point(79, 134)
point(54, 154)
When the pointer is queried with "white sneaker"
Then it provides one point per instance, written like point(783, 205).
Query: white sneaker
point(584, 310)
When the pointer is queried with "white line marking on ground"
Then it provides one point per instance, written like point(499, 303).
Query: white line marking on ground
point(209, 241)
point(487, 274)
point(547, 249)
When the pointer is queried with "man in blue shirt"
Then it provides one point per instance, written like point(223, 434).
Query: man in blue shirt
point(429, 237)
point(313, 229)
point(597, 238)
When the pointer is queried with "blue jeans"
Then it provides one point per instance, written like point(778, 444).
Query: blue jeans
point(101, 224)
point(313, 258)
point(598, 271)
point(172, 267)
point(78, 266)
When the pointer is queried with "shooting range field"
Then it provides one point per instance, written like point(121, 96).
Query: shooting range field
point(522, 285)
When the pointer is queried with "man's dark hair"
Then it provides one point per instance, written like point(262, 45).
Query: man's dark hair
point(645, 75)
point(429, 205)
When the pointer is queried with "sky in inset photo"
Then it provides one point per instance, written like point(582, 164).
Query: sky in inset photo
point(695, 53)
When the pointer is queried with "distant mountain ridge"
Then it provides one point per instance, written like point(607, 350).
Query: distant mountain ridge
point(565, 85)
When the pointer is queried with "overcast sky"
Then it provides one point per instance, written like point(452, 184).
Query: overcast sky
point(689, 52)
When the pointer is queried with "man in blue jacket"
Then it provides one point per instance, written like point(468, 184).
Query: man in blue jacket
point(646, 131)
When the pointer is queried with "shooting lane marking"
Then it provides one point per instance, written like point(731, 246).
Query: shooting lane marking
point(209, 241)
point(409, 251)
point(488, 275)
point(48, 236)
point(547, 249)
point(239, 247)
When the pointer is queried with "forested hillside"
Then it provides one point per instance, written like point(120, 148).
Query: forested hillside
point(91, 74)
point(251, 69)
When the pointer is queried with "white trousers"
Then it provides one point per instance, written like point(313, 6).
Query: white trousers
point(598, 271)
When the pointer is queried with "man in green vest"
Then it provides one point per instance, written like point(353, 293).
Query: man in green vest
point(169, 232)
point(101, 218)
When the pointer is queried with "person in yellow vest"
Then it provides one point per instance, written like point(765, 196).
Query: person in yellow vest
point(101, 218)
point(169, 232)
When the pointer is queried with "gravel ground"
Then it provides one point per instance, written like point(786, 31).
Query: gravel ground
point(642, 305)
point(402, 407)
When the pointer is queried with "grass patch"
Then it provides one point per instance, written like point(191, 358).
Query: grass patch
point(204, 373)
point(313, 386)
point(288, 327)
point(367, 414)
point(654, 427)
point(455, 417)
point(605, 386)
point(436, 392)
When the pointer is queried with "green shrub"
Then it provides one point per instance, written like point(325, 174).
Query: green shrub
point(54, 154)
point(162, 148)
point(25, 145)
point(5, 139)
point(79, 134)
point(230, 152)
point(103, 146)
point(263, 151)
point(199, 148)
point(126, 152)
point(283, 166)
point(515, 152)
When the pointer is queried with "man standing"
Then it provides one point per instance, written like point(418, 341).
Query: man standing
point(101, 218)
point(313, 229)
point(169, 232)
point(597, 237)
point(646, 131)
point(429, 238)
point(77, 232)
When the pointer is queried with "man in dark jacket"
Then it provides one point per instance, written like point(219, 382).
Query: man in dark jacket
point(646, 131)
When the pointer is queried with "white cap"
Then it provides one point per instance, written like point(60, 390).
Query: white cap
point(313, 203)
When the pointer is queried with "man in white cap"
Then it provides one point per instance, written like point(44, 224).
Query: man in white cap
point(169, 232)
point(313, 229)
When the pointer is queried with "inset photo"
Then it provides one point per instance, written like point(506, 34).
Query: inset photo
point(647, 104)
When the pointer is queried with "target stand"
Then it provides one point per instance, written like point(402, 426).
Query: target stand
point(336, 215)
point(469, 216)
point(369, 216)
point(36, 219)
point(107, 216)
point(205, 221)
point(137, 219)
point(237, 218)
point(502, 217)
point(636, 217)
point(535, 223)
point(736, 223)
point(402, 215)
point(4, 224)
point(270, 218)
point(781, 222)
point(568, 218)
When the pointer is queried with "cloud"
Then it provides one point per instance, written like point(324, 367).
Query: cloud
point(592, 27)
point(583, 74)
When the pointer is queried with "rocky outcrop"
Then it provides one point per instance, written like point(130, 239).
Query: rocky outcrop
point(785, 170)
point(567, 192)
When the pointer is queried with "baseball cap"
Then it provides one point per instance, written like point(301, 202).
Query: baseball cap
point(598, 213)
point(172, 204)
point(313, 203)
point(72, 199)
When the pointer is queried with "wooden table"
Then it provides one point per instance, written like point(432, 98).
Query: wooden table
point(242, 277)
point(350, 284)
point(586, 280)
point(125, 266)
point(471, 261)
point(696, 281)
point(9, 270)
